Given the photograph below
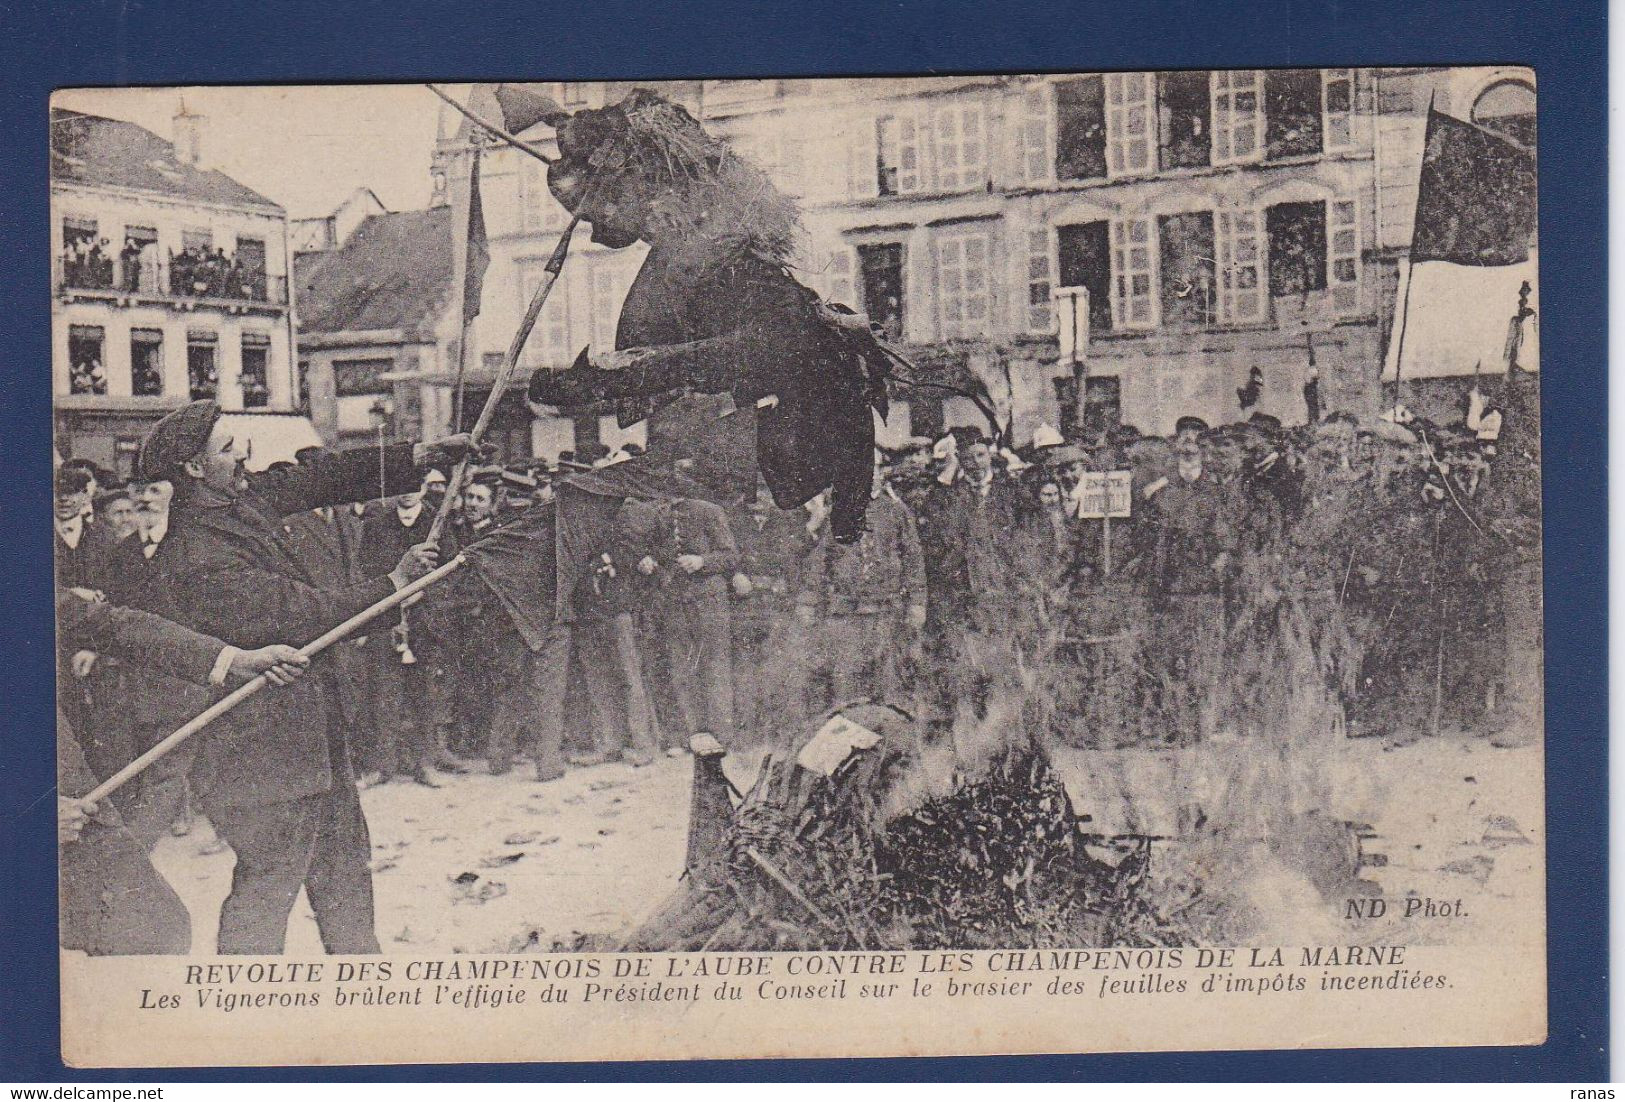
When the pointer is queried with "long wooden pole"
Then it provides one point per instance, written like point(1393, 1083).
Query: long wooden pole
point(1404, 319)
point(499, 385)
point(555, 264)
point(243, 692)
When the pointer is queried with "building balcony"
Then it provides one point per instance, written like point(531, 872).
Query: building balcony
point(175, 283)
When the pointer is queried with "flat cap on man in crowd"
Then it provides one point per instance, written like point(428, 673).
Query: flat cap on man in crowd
point(1189, 423)
point(177, 437)
point(1121, 436)
point(71, 480)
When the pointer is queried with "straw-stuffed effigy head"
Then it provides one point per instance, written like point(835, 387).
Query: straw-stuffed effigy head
point(645, 169)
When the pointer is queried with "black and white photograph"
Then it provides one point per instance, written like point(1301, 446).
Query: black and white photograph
point(799, 567)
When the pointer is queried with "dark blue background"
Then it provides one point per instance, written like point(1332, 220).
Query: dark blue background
point(70, 42)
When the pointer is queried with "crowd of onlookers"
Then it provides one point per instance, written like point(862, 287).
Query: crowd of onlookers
point(197, 271)
point(1394, 562)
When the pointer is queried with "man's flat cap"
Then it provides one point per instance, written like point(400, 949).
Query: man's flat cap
point(71, 480)
point(179, 436)
point(1191, 423)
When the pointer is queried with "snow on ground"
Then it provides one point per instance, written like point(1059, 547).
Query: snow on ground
point(598, 849)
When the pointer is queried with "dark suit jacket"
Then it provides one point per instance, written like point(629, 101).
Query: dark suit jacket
point(699, 527)
point(963, 536)
point(232, 570)
point(87, 564)
point(152, 699)
point(137, 637)
point(327, 544)
point(111, 899)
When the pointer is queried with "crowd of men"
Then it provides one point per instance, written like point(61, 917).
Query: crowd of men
point(1400, 559)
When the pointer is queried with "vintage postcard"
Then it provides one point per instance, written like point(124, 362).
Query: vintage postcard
point(804, 567)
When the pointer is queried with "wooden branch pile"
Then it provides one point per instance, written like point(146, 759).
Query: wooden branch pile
point(819, 862)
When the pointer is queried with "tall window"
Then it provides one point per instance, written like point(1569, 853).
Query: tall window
point(1186, 258)
point(838, 277)
point(1080, 129)
point(202, 364)
point(606, 305)
point(500, 201)
point(1338, 97)
point(538, 210)
point(1293, 112)
point(85, 261)
point(256, 378)
point(250, 268)
point(1032, 137)
point(1236, 119)
point(1131, 274)
point(146, 362)
point(1240, 258)
point(1185, 117)
point(1085, 255)
point(881, 269)
point(138, 259)
point(196, 270)
point(1297, 235)
point(554, 325)
point(961, 146)
point(1344, 256)
point(964, 306)
point(899, 163)
point(1128, 122)
point(87, 370)
point(791, 173)
point(1040, 282)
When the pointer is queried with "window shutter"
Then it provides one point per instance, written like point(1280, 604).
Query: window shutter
point(1337, 103)
point(862, 174)
point(1130, 122)
point(1343, 255)
point(1038, 134)
point(1039, 315)
point(1133, 282)
point(1241, 296)
point(837, 280)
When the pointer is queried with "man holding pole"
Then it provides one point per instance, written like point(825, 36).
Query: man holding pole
point(113, 902)
point(274, 775)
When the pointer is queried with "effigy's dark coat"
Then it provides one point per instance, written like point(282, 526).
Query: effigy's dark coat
point(715, 308)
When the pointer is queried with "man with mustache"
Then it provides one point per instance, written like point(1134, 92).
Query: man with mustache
point(274, 775)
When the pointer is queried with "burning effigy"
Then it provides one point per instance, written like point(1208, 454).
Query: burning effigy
point(1222, 644)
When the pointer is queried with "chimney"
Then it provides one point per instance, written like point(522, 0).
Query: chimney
point(188, 137)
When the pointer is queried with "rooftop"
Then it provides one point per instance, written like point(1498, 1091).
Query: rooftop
point(394, 272)
point(90, 149)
